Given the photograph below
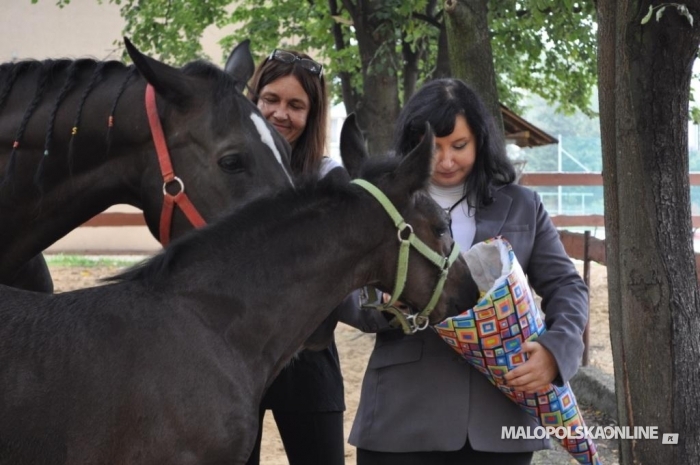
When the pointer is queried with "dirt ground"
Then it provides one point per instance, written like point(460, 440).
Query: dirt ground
point(354, 347)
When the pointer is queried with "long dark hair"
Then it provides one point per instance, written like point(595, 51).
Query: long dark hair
point(439, 102)
point(309, 149)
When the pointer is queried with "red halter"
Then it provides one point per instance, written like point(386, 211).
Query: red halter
point(166, 168)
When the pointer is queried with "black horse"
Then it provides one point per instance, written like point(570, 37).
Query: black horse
point(168, 364)
point(76, 139)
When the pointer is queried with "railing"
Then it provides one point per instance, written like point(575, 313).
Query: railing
point(583, 179)
point(527, 179)
point(578, 246)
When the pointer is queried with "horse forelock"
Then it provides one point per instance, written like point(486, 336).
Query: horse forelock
point(225, 87)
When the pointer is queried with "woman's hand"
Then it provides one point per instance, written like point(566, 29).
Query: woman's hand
point(537, 373)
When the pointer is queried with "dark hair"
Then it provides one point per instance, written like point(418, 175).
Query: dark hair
point(309, 149)
point(439, 102)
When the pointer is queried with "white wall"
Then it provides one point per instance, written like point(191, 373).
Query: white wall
point(42, 30)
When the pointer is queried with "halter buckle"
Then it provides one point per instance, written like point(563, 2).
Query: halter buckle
point(417, 322)
point(177, 180)
point(400, 231)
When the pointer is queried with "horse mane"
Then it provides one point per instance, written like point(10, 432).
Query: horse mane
point(245, 223)
point(47, 71)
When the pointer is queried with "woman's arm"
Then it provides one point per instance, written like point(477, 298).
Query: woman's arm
point(564, 295)
point(350, 312)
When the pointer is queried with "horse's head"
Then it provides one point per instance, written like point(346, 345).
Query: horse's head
point(222, 149)
point(402, 182)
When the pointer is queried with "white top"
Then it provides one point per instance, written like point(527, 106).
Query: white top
point(463, 222)
point(327, 164)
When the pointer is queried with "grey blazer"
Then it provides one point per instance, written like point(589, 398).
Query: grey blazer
point(418, 394)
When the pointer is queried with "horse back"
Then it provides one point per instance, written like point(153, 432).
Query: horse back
point(111, 376)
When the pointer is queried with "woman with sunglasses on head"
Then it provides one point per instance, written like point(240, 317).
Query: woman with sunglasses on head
point(421, 403)
point(306, 398)
point(289, 90)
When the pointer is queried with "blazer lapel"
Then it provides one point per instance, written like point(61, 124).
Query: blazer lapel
point(490, 219)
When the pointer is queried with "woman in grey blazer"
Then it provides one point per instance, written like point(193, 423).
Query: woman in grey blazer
point(421, 403)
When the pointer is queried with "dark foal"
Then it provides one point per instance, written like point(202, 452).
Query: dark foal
point(168, 363)
point(75, 140)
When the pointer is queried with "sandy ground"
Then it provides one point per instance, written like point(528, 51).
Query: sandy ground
point(355, 347)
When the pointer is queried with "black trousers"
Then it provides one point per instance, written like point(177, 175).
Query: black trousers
point(309, 438)
point(464, 456)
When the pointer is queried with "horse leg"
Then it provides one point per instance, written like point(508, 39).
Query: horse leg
point(34, 276)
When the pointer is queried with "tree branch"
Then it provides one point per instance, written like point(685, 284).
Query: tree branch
point(428, 19)
point(352, 9)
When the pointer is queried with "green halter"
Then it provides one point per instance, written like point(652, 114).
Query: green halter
point(416, 322)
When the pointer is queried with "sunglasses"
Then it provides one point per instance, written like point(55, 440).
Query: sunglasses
point(288, 57)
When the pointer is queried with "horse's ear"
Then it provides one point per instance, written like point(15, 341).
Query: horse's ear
point(415, 169)
point(353, 151)
point(168, 82)
point(240, 65)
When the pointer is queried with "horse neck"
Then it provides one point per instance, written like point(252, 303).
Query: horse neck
point(79, 177)
point(340, 257)
point(285, 284)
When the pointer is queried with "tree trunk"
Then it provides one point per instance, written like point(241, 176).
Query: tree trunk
point(378, 107)
point(410, 68)
point(442, 67)
point(469, 45)
point(349, 95)
point(644, 73)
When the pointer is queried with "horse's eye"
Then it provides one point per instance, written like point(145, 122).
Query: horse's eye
point(232, 163)
point(440, 231)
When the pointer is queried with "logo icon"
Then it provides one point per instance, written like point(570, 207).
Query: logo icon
point(669, 438)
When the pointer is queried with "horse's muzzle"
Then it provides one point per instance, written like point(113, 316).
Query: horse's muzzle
point(460, 293)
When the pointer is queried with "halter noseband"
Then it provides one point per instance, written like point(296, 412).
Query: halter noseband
point(166, 169)
point(416, 322)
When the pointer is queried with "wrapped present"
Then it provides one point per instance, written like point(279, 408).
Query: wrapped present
point(489, 336)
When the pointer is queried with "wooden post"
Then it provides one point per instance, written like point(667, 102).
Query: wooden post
point(587, 280)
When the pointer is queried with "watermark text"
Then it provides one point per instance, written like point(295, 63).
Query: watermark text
point(587, 432)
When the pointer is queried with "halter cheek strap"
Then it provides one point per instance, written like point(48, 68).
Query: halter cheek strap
point(166, 168)
point(406, 237)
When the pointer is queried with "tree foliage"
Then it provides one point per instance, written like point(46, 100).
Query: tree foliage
point(545, 46)
point(379, 51)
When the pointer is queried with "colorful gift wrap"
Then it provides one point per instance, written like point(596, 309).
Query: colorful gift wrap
point(490, 335)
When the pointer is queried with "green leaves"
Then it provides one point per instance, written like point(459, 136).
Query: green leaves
point(680, 8)
point(649, 14)
point(547, 46)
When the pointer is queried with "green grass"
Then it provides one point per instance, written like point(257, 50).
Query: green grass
point(86, 261)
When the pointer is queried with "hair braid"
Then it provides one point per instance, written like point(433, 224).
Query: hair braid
point(71, 75)
point(96, 74)
point(42, 79)
point(110, 121)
